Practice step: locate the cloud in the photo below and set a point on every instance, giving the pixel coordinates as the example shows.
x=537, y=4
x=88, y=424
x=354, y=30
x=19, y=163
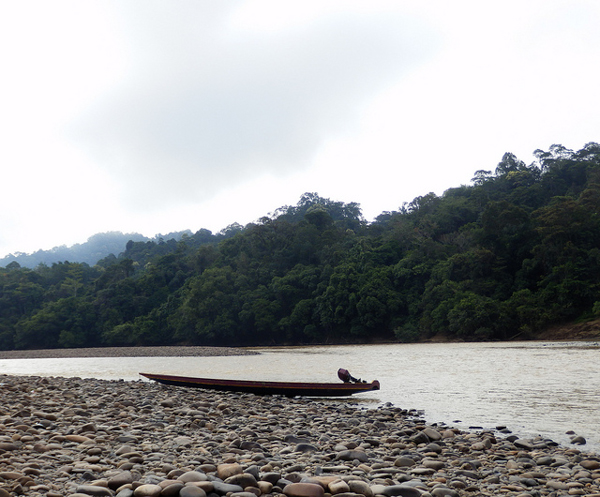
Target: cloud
x=207, y=105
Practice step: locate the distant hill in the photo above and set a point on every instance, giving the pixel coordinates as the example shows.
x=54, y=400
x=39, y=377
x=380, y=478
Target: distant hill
x=97, y=247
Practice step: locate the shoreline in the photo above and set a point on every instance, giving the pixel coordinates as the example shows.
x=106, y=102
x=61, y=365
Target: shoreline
x=558, y=336
x=103, y=438
x=162, y=351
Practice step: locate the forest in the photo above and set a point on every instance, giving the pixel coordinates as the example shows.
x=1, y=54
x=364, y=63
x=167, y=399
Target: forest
x=510, y=254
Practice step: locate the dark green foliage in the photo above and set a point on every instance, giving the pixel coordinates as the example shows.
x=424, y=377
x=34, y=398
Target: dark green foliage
x=502, y=259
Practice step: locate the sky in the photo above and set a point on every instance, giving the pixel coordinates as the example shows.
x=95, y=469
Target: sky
x=157, y=116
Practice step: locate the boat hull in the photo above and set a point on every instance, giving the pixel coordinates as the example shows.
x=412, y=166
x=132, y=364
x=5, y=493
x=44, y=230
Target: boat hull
x=289, y=389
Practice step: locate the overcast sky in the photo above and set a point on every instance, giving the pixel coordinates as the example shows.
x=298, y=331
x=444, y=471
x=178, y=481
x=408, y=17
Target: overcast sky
x=156, y=116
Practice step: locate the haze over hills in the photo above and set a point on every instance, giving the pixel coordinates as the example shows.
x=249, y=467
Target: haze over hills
x=97, y=247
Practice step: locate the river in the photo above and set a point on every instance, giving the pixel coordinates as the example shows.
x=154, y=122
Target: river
x=533, y=388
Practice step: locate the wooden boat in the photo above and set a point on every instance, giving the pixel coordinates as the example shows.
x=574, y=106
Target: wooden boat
x=289, y=389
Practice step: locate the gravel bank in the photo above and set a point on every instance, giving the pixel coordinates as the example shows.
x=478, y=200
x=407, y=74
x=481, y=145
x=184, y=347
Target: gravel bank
x=124, y=352
x=97, y=438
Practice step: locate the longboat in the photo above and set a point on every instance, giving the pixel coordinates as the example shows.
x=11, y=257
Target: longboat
x=349, y=385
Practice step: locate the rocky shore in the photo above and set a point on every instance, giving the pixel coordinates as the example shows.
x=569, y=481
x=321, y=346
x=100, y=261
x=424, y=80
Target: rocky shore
x=97, y=438
x=175, y=351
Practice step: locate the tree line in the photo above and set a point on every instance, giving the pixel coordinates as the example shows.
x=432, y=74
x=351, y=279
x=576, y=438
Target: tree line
x=504, y=257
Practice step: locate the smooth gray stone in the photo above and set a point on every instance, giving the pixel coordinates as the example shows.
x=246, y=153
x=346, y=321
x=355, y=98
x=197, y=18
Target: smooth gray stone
x=94, y=490
x=295, y=440
x=147, y=490
x=420, y=438
x=304, y=447
x=360, y=487
x=351, y=455
x=192, y=491
x=254, y=470
x=523, y=444
x=348, y=494
x=272, y=478
x=529, y=482
x=404, y=461
x=248, y=445
x=244, y=480
x=432, y=433
x=402, y=491
x=172, y=490
x=223, y=488
x=120, y=479
x=433, y=447
x=192, y=476
x=444, y=492
x=469, y=474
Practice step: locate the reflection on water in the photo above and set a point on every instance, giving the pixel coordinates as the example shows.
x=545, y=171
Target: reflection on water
x=531, y=387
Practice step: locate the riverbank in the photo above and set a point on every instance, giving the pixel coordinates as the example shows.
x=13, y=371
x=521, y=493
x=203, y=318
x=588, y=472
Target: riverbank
x=97, y=438
x=176, y=351
x=588, y=331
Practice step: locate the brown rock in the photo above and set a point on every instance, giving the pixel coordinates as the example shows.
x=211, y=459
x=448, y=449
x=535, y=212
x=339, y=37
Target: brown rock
x=120, y=479
x=192, y=476
x=227, y=470
x=338, y=487
x=433, y=464
x=404, y=461
x=360, y=487
x=94, y=490
x=165, y=483
x=175, y=473
x=265, y=487
x=192, y=491
x=432, y=433
x=251, y=491
x=172, y=489
x=350, y=455
x=304, y=490
x=10, y=475
x=207, y=486
x=484, y=444
x=77, y=438
x=147, y=490
x=324, y=481
x=243, y=480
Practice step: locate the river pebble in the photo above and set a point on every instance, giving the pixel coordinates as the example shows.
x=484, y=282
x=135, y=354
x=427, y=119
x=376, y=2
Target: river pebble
x=96, y=438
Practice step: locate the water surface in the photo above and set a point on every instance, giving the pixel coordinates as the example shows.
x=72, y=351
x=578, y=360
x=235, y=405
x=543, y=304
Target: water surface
x=534, y=388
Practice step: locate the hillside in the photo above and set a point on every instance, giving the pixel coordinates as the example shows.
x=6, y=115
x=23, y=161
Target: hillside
x=90, y=252
x=514, y=255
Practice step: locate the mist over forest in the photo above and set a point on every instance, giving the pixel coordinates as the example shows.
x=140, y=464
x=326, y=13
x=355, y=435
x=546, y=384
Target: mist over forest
x=90, y=252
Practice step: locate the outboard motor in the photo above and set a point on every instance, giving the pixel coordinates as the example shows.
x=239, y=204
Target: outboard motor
x=346, y=377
